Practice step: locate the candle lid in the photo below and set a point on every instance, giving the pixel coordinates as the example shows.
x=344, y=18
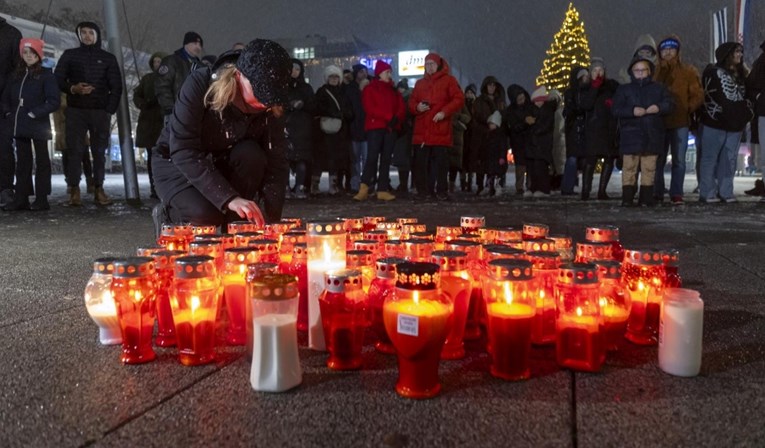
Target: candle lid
x=502, y=251
x=671, y=257
x=358, y=258
x=261, y=268
x=544, y=259
x=450, y=260
x=208, y=237
x=509, y=233
x=325, y=228
x=474, y=237
x=104, y=265
x=387, y=225
x=644, y=257
x=147, y=251
x=418, y=276
x=386, y=267
x=273, y=287
x=536, y=230
x=300, y=251
x=165, y=259
x=212, y=248
x=487, y=234
x=243, y=239
x=195, y=266
x=411, y=228
x=604, y=234
x=540, y=244
x=417, y=248
x=350, y=224
x=471, y=248
x=403, y=221
x=241, y=255
x=294, y=237
x=421, y=235
x=267, y=246
x=517, y=244
x=369, y=245
x=509, y=269
x=204, y=230
x=376, y=235
x=561, y=241
x=472, y=222
x=278, y=228
x=609, y=269
x=241, y=227
x=373, y=219
x=594, y=251
x=133, y=267
x=448, y=231
x=342, y=280
x=578, y=274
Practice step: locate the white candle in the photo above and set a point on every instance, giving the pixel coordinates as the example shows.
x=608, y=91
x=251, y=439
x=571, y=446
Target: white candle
x=275, y=360
x=104, y=314
x=680, y=332
x=316, y=270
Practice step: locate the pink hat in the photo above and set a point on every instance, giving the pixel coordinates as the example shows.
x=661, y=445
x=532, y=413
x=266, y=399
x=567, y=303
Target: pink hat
x=35, y=44
x=381, y=66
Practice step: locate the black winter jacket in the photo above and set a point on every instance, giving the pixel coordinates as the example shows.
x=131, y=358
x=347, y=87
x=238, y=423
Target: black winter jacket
x=575, y=116
x=33, y=93
x=725, y=104
x=600, y=124
x=173, y=71
x=353, y=93
x=9, y=50
x=515, y=122
x=301, y=109
x=755, y=85
x=196, y=137
x=92, y=65
x=150, y=120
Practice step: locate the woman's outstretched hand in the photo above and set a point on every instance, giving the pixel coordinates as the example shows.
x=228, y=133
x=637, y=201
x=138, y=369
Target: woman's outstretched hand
x=248, y=210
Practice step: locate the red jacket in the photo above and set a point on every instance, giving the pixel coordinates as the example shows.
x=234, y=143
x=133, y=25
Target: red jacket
x=443, y=93
x=381, y=103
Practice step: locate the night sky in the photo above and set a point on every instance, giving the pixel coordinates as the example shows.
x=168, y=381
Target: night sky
x=507, y=39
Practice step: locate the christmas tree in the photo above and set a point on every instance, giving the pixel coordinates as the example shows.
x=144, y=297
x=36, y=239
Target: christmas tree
x=568, y=49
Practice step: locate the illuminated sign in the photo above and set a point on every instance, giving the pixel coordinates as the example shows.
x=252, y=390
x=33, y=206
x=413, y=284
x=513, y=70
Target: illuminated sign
x=369, y=63
x=411, y=63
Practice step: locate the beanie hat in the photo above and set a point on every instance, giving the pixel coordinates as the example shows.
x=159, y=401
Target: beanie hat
x=267, y=66
x=381, y=66
x=357, y=68
x=332, y=70
x=471, y=88
x=35, y=44
x=597, y=62
x=540, y=94
x=582, y=73
x=192, y=36
x=435, y=58
x=669, y=42
x=403, y=84
x=724, y=50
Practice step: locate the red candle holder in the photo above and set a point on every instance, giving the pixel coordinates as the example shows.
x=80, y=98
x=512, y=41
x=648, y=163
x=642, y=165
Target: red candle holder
x=211, y=248
x=457, y=284
x=488, y=235
x=491, y=252
x=393, y=229
x=352, y=224
x=565, y=247
x=508, y=234
x=534, y=231
x=234, y=280
x=194, y=298
x=539, y=245
x=546, y=274
x=175, y=237
x=417, y=319
x=243, y=239
x=445, y=234
x=393, y=248
x=380, y=236
x=606, y=234
x=373, y=246
x=643, y=277
x=288, y=242
x=351, y=238
x=294, y=223
x=148, y=251
x=298, y=268
x=418, y=250
x=671, y=259
x=134, y=288
x=361, y=260
x=236, y=227
x=203, y=230
x=590, y=252
x=268, y=249
x=404, y=221
x=476, y=308
x=579, y=342
x=274, y=231
x=510, y=295
x=343, y=316
x=370, y=222
x=471, y=224
x=255, y=270
x=408, y=231
x=614, y=304
x=164, y=262
x=381, y=288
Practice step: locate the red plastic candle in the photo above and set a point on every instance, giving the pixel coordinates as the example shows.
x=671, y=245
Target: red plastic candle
x=298, y=268
x=643, y=277
x=344, y=318
x=457, y=285
x=590, y=252
x=286, y=246
x=211, y=248
x=445, y=234
x=418, y=250
x=164, y=262
x=235, y=290
x=565, y=247
x=242, y=239
x=471, y=224
x=361, y=260
x=274, y=231
x=393, y=229
x=417, y=318
x=539, y=245
x=533, y=231
x=204, y=230
x=393, y=248
x=370, y=222
x=376, y=247
x=476, y=309
x=671, y=260
x=546, y=274
x=175, y=237
x=579, y=342
x=508, y=234
x=606, y=234
x=614, y=304
x=194, y=298
x=134, y=288
x=235, y=227
x=408, y=231
x=268, y=249
x=404, y=221
x=382, y=287
x=488, y=235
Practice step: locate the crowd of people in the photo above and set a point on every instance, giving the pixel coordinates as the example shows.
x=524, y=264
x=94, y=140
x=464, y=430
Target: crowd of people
x=223, y=133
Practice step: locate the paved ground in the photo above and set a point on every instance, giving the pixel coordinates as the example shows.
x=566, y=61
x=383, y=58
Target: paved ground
x=59, y=387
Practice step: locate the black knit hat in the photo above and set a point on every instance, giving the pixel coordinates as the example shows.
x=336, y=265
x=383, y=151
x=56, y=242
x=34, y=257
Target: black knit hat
x=192, y=36
x=724, y=50
x=267, y=66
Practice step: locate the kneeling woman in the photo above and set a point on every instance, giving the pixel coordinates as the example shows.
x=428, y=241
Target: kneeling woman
x=224, y=147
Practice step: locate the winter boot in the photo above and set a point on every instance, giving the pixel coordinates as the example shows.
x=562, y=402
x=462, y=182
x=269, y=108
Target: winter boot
x=452, y=186
x=463, y=182
x=40, y=204
x=492, y=185
x=333, y=190
x=90, y=188
x=100, y=196
x=605, y=176
x=587, y=175
x=758, y=190
x=6, y=197
x=363, y=192
x=479, y=184
x=74, y=197
x=469, y=188
x=646, y=197
x=315, y=185
x=18, y=203
x=385, y=196
x=628, y=195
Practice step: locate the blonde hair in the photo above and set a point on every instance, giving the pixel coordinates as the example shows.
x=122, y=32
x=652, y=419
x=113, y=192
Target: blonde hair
x=223, y=89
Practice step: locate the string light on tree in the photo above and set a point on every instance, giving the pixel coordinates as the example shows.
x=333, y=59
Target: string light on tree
x=568, y=49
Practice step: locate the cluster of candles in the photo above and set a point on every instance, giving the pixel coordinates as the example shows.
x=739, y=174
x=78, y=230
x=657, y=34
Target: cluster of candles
x=420, y=294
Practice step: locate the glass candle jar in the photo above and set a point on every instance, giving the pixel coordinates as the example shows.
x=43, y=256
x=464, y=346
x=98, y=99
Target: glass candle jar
x=235, y=227
x=148, y=251
x=606, y=234
x=268, y=249
x=476, y=308
x=565, y=247
x=418, y=250
x=408, y=231
x=134, y=288
x=539, y=245
x=164, y=263
x=508, y=234
x=210, y=248
x=175, y=237
x=274, y=231
x=590, y=252
x=457, y=284
x=382, y=286
x=370, y=222
x=255, y=270
x=298, y=268
x=680, y=332
x=393, y=229
x=352, y=224
x=203, y=230
x=326, y=252
x=242, y=239
x=404, y=221
x=393, y=248
x=275, y=362
x=288, y=241
x=361, y=260
x=471, y=223
x=533, y=231
x=100, y=302
x=671, y=258
x=546, y=274
x=445, y=234
x=614, y=304
x=234, y=281
x=417, y=318
x=194, y=298
x=510, y=294
x=344, y=318
x=579, y=342
x=643, y=277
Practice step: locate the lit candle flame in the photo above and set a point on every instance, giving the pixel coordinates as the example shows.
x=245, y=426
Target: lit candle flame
x=640, y=286
x=603, y=302
x=327, y=252
x=242, y=268
x=194, y=303
x=508, y=294
x=579, y=311
x=416, y=297
x=541, y=293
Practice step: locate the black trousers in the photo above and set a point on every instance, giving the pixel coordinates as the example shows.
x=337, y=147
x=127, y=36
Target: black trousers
x=7, y=157
x=539, y=175
x=24, y=165
x=244, y=168
x=81, y=123
x=432, y=166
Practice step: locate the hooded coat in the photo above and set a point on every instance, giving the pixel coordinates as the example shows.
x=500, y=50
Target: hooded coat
x=725, y=104
x=383, y=106
x=30, y=91
x=150, y=120
x=442, y=92
x=600, y=124
x=95, y=66
x=684, y=84
x=641, y=135
x=486, y=145
x=515, y=122
x=300, y=111
x=576, y=115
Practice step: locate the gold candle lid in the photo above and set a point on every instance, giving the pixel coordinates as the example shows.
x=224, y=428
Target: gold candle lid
x=133, y=267
x=273, y=287
x=342, y=280
x=325, y=228
x=449, y=260
x=195, y=266
x=417, y=276
x=603, y=234
x=506, y=269
x=578, y=274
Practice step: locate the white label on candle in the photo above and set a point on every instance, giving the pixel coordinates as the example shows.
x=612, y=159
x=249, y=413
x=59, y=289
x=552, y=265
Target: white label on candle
x=408, y=325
